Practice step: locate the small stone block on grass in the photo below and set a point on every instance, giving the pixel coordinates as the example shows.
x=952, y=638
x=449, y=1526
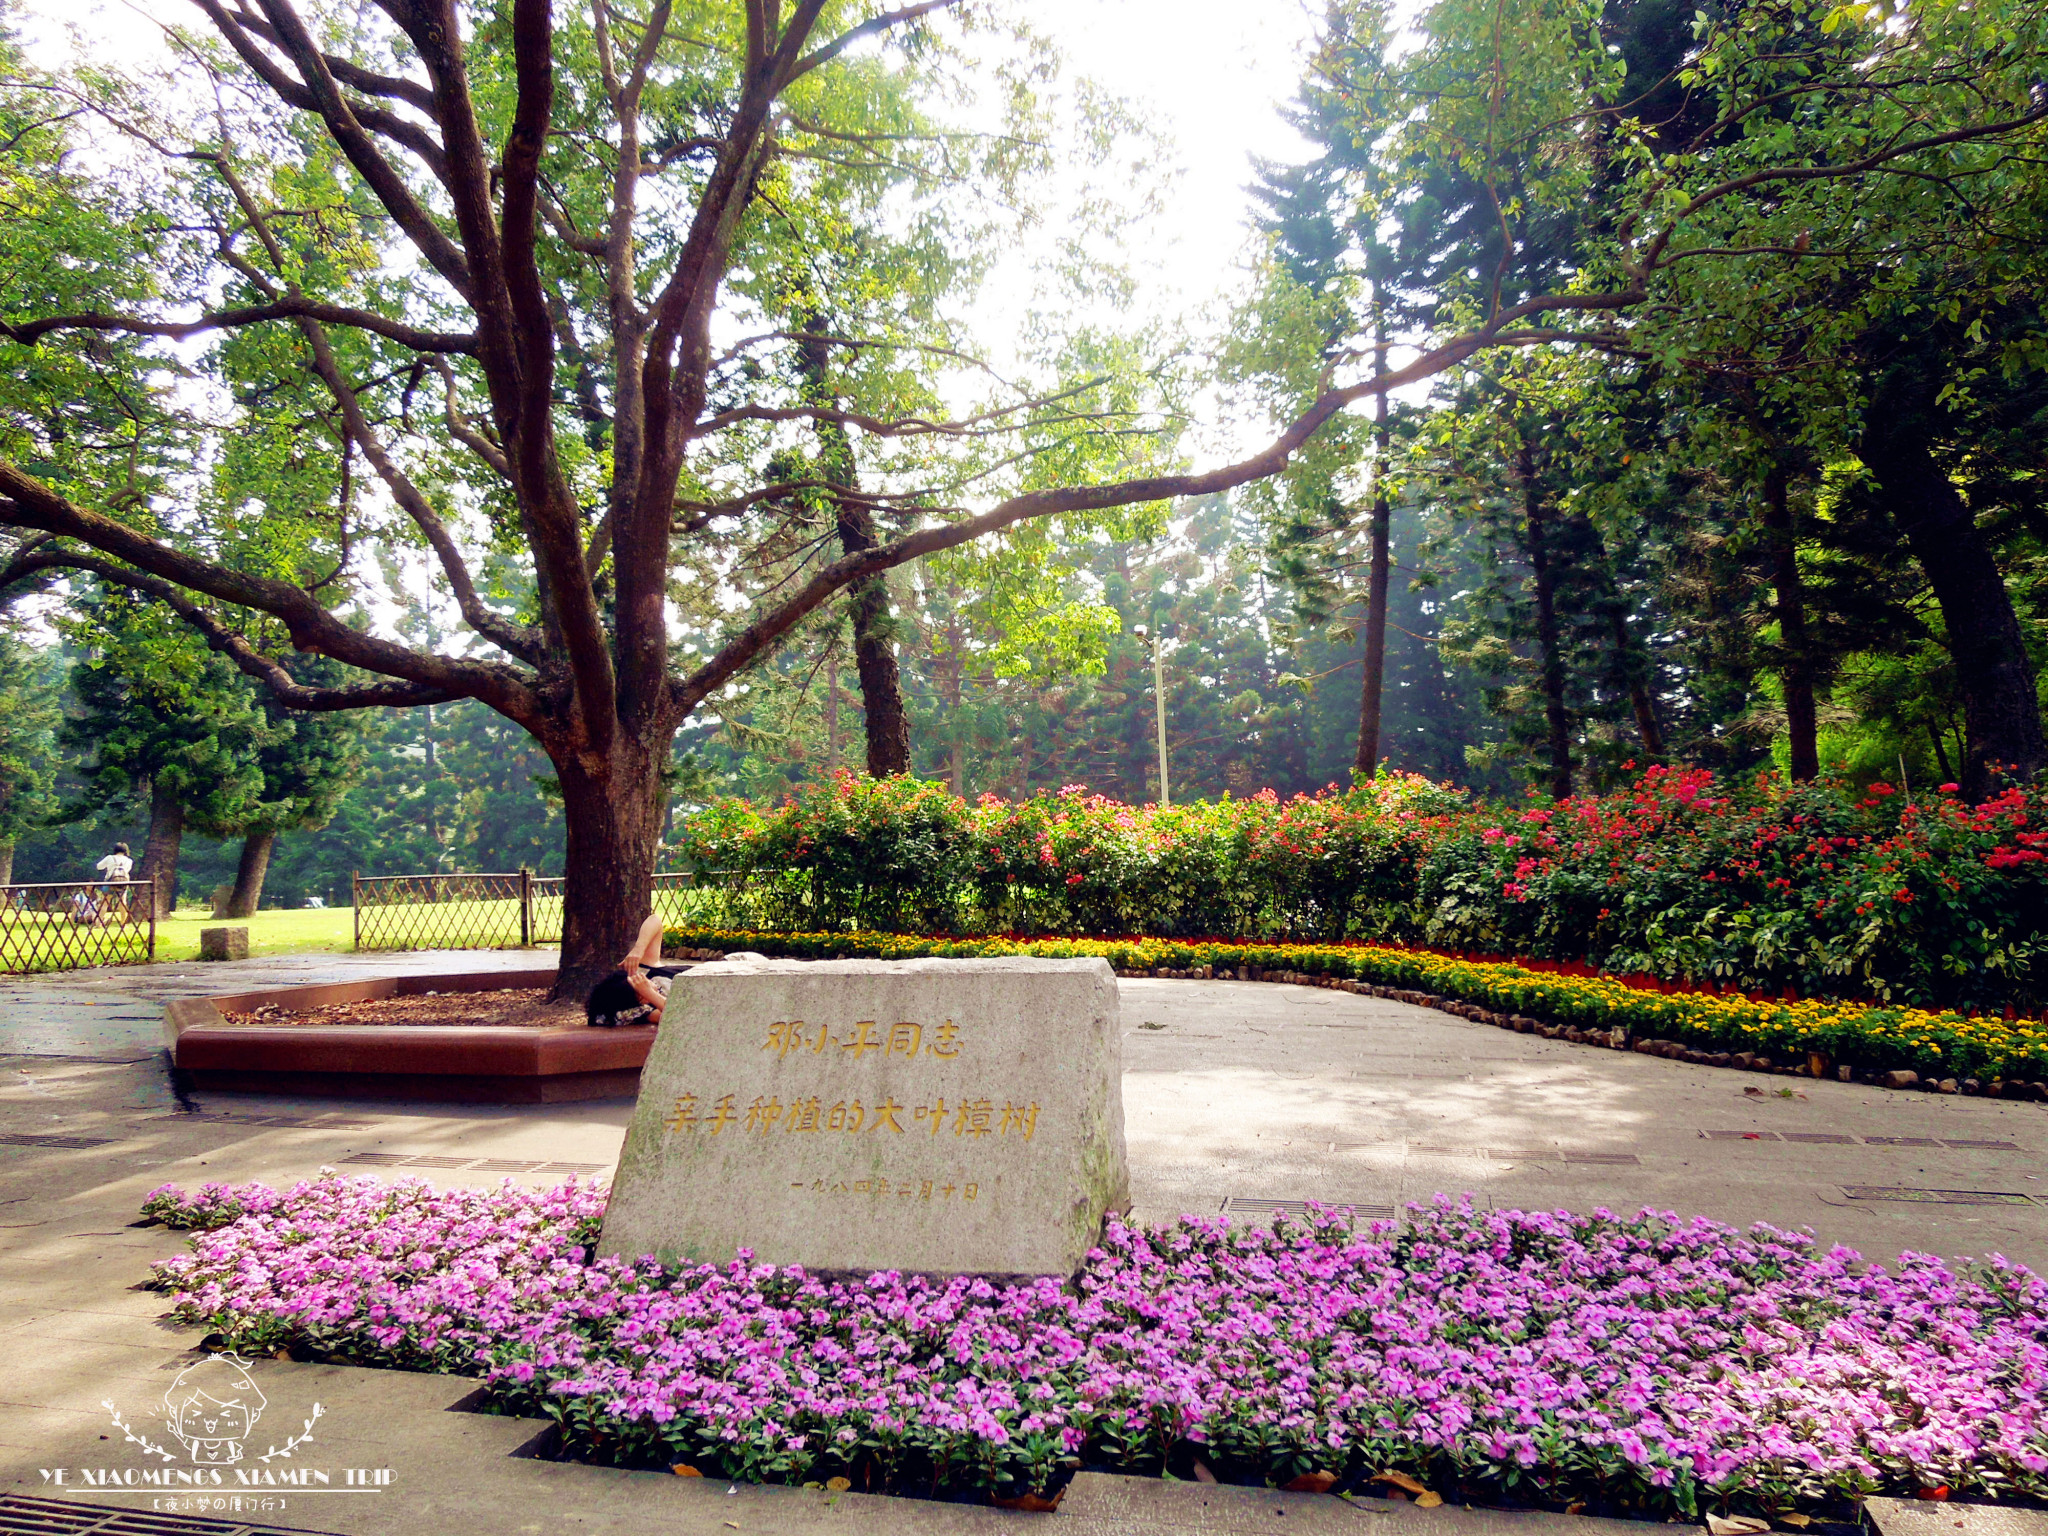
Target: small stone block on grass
x=929, y=1116
x=224, y=943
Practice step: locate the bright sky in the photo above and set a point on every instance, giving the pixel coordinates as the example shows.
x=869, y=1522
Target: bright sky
x=1215, y=74
x=1211, y=72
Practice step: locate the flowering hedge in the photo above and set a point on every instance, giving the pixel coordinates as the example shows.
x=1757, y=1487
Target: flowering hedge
x=1640, y=1364
x=1825, y=889
x=1878, y=1039
x=903, y=853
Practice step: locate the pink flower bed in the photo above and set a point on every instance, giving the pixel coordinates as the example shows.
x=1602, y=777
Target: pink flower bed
x=1629, y=1364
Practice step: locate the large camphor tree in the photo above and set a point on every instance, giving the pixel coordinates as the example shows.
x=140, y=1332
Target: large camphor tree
x=558, y=297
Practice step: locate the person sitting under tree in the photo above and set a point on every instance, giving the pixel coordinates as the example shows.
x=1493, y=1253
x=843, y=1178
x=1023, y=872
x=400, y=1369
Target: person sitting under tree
x=638, y=989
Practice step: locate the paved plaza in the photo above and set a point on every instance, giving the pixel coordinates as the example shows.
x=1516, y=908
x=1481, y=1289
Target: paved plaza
x=1239, y=1097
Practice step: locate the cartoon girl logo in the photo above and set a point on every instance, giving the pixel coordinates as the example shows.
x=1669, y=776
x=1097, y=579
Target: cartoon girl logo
x=212, y=1407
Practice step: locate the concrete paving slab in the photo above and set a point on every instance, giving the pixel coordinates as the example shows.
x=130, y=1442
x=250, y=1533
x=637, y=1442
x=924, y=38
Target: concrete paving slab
x=1923, y=1517
x=27, y=1426
x=1098, y=1502
x=1276, y=1093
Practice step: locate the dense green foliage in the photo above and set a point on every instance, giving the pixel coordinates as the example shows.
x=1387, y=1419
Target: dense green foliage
x=449, y=789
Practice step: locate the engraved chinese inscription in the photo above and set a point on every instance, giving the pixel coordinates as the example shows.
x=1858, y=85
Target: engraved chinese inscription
x=969, y=1111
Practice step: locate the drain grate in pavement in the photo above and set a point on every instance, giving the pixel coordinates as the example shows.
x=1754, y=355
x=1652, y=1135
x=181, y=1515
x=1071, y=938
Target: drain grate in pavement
x=1529, y=1155
x=1936, y=1196
x=304, y=1122
x=21, y=1515
x=469, y=1164
x=30, y=1139
x=1251, y=1205
x=1831, y=1138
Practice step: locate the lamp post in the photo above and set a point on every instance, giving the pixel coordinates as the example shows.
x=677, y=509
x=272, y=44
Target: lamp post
x=1158, y=707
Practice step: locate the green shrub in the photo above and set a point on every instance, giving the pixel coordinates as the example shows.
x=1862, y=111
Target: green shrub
x=1823, y=889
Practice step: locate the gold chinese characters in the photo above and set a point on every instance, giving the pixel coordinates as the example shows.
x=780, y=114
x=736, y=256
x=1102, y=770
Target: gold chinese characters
x=971, y=1118
x=786, y=1037
x=908, y=1189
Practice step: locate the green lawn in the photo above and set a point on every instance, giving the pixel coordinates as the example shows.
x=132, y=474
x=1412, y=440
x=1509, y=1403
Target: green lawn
x=42, y=941
x=270, y=933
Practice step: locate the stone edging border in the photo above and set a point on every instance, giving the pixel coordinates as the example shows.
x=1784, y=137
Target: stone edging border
x=461, y=1064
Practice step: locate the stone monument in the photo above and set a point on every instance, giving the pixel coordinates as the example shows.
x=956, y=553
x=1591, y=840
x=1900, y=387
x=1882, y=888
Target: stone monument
x=930, y=1116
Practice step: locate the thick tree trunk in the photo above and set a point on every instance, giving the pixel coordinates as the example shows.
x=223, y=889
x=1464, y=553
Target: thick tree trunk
x=1940, y=755
x=2001, y=712
x=1631, y=664
x=1802, y=724
x=1372, y=695
x=249, y=872
x=160, y=849
x=7, y=862
x=874, y=653
x=611, y=808
x=1372, y=698
x=1641, y=701
x=832, y=706
x=1549, y=648
x=874, y=656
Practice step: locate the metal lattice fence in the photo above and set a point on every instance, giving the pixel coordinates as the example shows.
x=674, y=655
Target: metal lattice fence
x=65, y=926
x=494, y=911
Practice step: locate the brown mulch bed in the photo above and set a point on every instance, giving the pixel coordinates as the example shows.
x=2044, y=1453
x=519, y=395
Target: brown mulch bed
x=508, y=1008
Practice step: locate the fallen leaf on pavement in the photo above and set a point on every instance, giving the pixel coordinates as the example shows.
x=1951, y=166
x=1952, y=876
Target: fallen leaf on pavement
x=1032, y=1503
x=1736, y=1525
x=1400, y=1480
x=1203, y=1474
x=1428, y=1500
x=1796, y=1521
x=1311, y=1482
x=839, y=1484
x=684, y=1469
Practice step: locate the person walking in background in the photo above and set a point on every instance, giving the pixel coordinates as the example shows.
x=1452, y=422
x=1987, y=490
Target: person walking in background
x=114, y=871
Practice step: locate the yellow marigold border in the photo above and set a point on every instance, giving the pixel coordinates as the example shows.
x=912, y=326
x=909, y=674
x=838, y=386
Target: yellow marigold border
x=1848, y=1034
